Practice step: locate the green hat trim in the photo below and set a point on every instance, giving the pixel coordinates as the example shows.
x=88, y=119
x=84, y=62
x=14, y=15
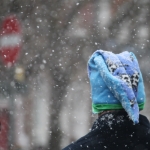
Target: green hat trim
x=97, y=108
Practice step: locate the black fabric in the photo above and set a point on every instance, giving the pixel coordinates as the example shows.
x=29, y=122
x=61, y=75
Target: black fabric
x=115, y=131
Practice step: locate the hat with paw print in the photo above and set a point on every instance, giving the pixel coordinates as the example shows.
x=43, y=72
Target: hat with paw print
x=116, y=83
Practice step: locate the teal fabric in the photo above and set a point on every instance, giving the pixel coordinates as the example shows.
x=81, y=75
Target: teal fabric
x=108, y=86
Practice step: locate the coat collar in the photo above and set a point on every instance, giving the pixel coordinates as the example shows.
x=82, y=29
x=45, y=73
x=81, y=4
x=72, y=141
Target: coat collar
x=113, y=120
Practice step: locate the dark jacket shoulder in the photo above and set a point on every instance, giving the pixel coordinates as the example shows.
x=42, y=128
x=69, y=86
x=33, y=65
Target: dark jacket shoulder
x=115, y=131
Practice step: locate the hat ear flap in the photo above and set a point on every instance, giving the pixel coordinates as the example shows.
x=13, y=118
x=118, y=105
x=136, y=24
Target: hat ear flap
x=141, y=96
x=99, y=89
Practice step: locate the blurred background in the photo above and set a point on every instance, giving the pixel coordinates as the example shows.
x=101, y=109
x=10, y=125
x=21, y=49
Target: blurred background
x=45, y=99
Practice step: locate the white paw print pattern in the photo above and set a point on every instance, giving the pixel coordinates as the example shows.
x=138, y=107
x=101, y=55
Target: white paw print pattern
x=135, y=79
x=132, y=102
x=111, y=66
x=126, y=78
x=132, y=81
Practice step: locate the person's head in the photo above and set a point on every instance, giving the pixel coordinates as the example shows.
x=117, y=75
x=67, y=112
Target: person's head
x=116, y=83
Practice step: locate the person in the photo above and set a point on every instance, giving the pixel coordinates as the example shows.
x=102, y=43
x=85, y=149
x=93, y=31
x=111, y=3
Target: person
x=118, y=95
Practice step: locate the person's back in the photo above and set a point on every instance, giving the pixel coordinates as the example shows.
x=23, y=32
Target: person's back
x=114, y=131
x=117, y=96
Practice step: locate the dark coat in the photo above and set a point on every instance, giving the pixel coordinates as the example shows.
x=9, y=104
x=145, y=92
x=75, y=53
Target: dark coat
x=115, y=131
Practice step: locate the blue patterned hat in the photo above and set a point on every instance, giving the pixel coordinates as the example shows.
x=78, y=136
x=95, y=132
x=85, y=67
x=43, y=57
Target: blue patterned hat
x=116, y=83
